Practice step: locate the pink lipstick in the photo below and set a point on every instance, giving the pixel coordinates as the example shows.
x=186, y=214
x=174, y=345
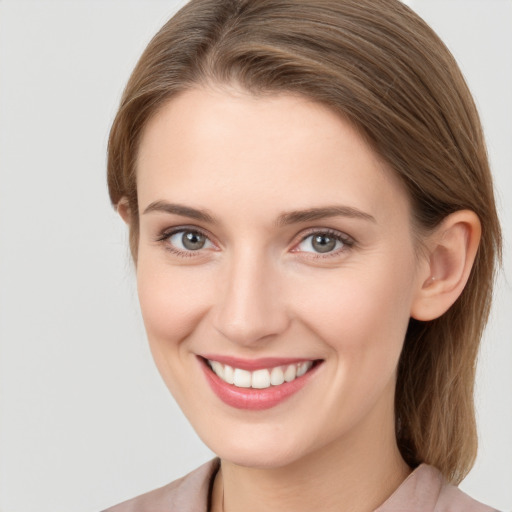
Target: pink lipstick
x=256, y=384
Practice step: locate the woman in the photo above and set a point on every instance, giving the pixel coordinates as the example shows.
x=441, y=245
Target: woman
x=312, y=219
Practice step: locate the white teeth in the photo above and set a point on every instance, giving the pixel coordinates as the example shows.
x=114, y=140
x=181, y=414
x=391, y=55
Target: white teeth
x=242, y=378
x=290, y=373
x=276, y=376
x=260, y=379
x=303, y=368
x=228, y=374
x=218, y=368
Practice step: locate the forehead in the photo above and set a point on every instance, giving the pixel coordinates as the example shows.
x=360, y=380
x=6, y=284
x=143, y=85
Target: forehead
x=275, y=151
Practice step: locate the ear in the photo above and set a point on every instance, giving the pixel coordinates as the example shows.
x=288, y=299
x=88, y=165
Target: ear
x=123, y=209
x=451, y=251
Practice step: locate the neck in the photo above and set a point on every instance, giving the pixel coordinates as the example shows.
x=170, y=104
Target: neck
x=355, y=474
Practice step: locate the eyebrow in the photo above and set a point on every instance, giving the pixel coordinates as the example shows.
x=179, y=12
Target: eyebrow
x=311, y=214
x=179, y=209
x=285, y=219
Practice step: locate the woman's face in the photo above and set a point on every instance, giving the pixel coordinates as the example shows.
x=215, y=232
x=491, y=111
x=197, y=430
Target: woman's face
x=273, y=242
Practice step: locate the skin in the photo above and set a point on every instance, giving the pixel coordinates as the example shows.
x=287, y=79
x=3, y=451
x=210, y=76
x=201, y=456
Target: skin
x=258, y=289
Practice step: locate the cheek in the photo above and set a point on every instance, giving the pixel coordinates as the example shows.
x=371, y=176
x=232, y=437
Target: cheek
x=361, y=311
x=172, y=305
x=363, y=320
x=172, y=300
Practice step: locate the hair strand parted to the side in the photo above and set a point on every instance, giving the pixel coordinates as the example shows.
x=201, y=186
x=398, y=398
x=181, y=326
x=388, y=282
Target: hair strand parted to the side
x=381, y=67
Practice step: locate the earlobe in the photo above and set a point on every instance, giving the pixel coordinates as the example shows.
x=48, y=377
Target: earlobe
x=123, y=209
x=452, y=249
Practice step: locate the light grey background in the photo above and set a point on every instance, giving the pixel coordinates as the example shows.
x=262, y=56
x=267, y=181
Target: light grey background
x=85, y=421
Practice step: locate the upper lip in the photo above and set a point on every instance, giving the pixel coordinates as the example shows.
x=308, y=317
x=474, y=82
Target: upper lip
x=255, y=364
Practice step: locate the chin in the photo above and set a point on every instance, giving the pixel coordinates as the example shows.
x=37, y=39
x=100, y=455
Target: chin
x=258, y=459
x=259, y=450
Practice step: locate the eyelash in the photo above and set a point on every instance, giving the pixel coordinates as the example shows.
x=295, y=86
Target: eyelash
x=347, y=241
x=164, y=237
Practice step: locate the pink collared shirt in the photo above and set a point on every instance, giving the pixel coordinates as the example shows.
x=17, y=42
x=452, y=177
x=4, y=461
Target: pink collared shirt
x=424, y=490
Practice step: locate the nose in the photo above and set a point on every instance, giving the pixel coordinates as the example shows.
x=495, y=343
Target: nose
x=250, y=307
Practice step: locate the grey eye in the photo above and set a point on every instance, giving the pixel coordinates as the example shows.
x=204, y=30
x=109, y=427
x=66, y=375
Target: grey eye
x=323, y=243
x=320, y=243
x=187, y=240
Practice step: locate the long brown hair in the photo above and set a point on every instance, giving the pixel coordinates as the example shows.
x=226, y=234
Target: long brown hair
x=381, y=67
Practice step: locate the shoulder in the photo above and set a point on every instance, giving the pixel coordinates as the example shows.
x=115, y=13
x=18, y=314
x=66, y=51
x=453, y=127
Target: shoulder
x=452, y=499
x=187, y=494
x=426, y=490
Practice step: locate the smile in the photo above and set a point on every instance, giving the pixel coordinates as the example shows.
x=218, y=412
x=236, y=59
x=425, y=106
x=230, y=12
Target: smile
x=257, y=384
x=262, y=378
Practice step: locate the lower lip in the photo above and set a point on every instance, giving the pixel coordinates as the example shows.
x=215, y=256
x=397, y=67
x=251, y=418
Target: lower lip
x=254, y=399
